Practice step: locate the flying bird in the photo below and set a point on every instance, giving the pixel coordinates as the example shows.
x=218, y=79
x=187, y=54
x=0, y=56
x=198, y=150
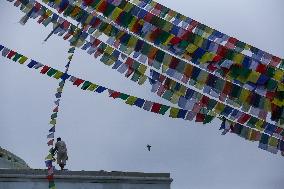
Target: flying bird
x=149, y=147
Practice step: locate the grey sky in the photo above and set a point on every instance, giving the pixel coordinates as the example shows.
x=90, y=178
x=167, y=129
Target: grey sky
x=105, y=134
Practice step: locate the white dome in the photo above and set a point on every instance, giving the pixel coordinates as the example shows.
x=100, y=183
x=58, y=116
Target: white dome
x=9, y=160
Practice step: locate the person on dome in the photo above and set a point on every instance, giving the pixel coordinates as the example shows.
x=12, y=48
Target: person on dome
x=60, y=148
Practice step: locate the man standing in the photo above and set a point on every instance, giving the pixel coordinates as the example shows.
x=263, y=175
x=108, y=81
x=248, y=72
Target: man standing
x=61, y=149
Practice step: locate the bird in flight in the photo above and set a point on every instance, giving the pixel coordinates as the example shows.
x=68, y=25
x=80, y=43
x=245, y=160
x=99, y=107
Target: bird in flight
x=149, y=147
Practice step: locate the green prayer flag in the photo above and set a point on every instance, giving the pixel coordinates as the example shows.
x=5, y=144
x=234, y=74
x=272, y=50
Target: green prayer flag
x=109, y=10
x=51, y=72
x=271, y=84
x=167, y=95
x=157, y=64
x=160, y=56
x=270, y=72
x=163, y=109
x=86, y=84
x=17, y=57
x=208, y=119
x=135, y=77
x=123, y=96
x=211, y=104
x=252, y=121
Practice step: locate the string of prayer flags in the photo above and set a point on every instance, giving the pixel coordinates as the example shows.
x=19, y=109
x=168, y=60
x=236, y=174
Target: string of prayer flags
x=146, y=107
x=200, y=115
x=187, y=116
x=180, y=24
x=260, y=92
x=123, y=69
x=56, y=74
x=266, y=142
x=198, y=52
x=176, y=98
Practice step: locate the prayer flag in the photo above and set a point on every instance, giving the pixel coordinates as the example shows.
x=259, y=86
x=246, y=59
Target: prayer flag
x=51, y=135
x=52, y=129
x=50, y=142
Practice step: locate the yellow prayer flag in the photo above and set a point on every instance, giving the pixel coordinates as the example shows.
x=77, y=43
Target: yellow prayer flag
x=49, y=157
x=202, y=78
x=238, y=58
x=58, y=74
x=168, y=40
x=273, y=142
x=258, y=125
x=219, y=108
x=133, y=21
x=153, y=3
x=70, y=57
x=280, y=87
x=48, y=12
x=89, y=19
x=136, y=2
x=278, y=102
x=92, y=87
x=174, y=112
x=131, y=100
x=199, y=85
x=132, y=42
x=253, y=76
x=278, y=75
x=75, y=12
x=142, y=79
x=244, y=95
x=175, y=98
x=167, y=27
x=182, y=90
x=267, y=105
x=247, y=47
x=109, y=50
x=108, y=29
x=109, y=62
x=52, y=121
x=117, y=11
x=164, y=68
x=208, y=56
x=128, y=7
x=142, y=68
x=57, y=2
x=23, y=59
x=198, y=41
x=60, y=89
x=191, y=48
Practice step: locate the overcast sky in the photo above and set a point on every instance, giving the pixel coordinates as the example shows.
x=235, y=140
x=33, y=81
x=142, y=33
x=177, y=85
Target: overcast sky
x=106, y=134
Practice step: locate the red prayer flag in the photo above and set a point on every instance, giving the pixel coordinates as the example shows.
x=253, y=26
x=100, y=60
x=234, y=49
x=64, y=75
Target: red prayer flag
x=244, y=118
x=55, y=109
x=50, y=143
x=78, y=82
x=50, y=177
x=175, y=40
x=156, y=107
x=102, y=6
x=261, y=68
x=199, y=117
x=148, y=17
x=11, y=54
x=115, y=94
x=44, y=69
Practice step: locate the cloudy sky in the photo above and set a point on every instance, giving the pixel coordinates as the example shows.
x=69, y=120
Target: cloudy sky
x=105, y=134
